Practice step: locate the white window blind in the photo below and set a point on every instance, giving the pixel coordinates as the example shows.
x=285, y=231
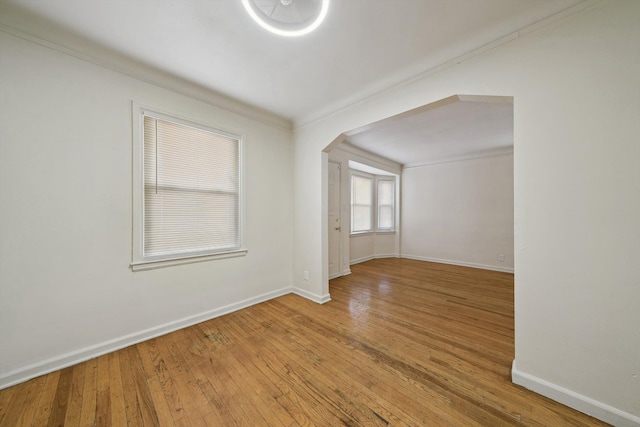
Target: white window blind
x=361, y=203
x=191, y=190
x=386, y=205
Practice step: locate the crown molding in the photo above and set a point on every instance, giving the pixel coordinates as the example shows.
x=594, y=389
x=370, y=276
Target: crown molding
x=365, y=97
x=98, y=55
x=373, y=159
x=471, y=156
x=16, y=24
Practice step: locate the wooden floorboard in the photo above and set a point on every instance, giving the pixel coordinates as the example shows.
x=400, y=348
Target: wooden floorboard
x=402, y=343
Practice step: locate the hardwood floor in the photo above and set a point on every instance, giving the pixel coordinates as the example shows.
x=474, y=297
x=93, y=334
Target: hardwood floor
x=402, y=343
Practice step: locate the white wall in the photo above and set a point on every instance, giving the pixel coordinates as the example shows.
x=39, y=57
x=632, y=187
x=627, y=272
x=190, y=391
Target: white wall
x=577, y=196
x=460, y=212
x=364, y=247
x=66, y=288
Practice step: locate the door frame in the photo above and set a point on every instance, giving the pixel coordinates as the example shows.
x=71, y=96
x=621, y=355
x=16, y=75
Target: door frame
x=340, y=219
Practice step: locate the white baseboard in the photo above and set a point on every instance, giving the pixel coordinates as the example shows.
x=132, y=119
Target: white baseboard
x=344, y=273
x=574, y=400
x=376, y=256
x=370, y=257
x=460, y=263
x=320, y=299
x=359, y=260
x=46, y=366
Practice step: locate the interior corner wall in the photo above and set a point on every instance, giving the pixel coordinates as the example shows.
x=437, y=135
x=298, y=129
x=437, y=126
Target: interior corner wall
x=67, y=292
x=576, y=196
x=460, y=212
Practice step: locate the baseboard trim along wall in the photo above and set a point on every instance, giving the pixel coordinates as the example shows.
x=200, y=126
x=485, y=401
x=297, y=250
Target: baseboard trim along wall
x=344, y=273
x=72, y=358
x=320, y=299
x=370, y=257
x=359, y=260
x=460, y=263
x=574, y=400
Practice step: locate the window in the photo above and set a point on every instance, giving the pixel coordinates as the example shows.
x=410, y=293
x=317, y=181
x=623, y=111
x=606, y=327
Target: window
x=187, y=192
x=364, y=198
x=386, y=204
x=361, y=202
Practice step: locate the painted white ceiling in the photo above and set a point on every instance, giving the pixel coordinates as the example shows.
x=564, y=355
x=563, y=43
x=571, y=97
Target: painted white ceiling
x=364, y=46
x=456, y=128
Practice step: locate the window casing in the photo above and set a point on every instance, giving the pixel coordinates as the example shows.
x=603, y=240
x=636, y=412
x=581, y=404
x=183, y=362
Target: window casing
x=187, y=191
x=361, y=203
x=386, y=206
x=372, y=203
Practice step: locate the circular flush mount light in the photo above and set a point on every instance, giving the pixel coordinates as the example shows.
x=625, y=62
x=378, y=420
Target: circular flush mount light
x=288, y=18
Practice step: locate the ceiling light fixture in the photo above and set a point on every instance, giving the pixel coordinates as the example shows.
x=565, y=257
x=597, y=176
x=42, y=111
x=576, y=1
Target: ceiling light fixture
x=289, y=18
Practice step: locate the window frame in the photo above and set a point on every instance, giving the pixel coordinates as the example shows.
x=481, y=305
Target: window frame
x=375, y=179
x=139, y=260
x=371, y=198
x=392, y=180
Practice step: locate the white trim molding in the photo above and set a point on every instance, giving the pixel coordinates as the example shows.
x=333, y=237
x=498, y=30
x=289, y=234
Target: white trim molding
x=363, y=259
x=320, y=299
x=502, y=151
x=86, y=51
x=55, y=363
x=370, y=257
x=377, y=92
x=343, y=273
x=150, y=265
x=460, y=263
x=574, y=400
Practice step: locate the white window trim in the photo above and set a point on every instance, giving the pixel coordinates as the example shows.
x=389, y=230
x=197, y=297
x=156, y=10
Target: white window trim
x=373, y=191
x=139, y=261
x=374, y=203
x=379, y=178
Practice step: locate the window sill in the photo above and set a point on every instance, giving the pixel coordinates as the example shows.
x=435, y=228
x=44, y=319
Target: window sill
x=161, y=263
x=370, y=233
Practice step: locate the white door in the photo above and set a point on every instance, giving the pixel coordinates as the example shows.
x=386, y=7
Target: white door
x=334, y=220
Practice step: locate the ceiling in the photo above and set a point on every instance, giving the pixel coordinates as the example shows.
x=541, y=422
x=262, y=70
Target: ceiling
x=362, y=48
x=455, y=128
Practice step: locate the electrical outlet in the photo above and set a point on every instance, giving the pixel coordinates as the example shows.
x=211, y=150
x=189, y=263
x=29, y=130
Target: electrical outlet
x=501, y=258
x=306, y=275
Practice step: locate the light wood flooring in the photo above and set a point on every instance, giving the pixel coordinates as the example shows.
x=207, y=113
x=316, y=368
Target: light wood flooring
x=402, y=343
